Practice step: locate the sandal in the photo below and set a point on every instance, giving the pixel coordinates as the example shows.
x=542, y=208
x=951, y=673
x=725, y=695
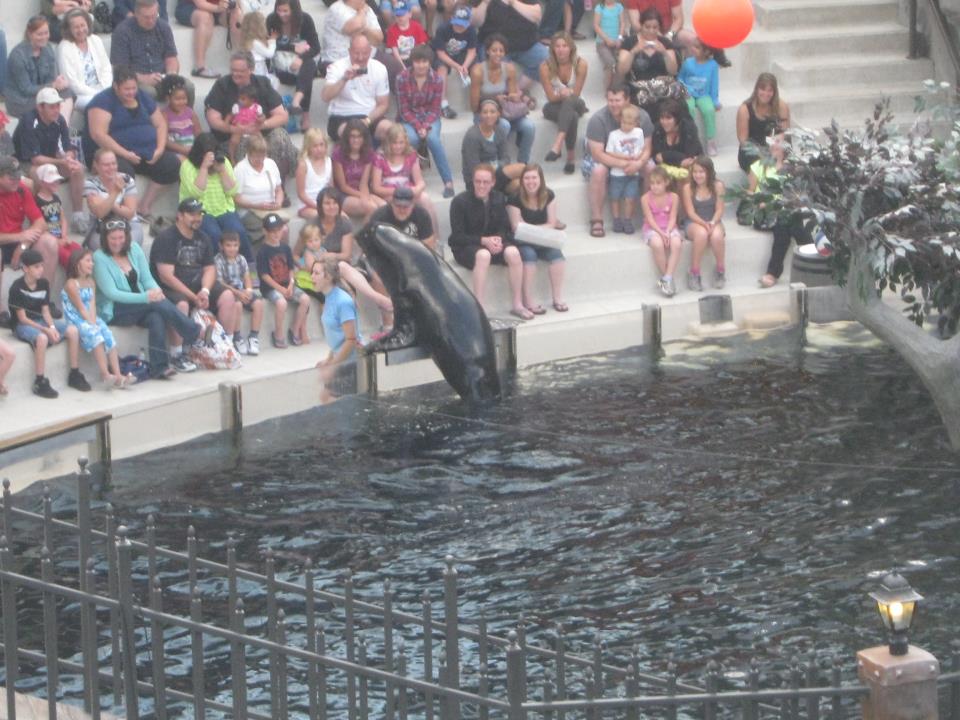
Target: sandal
x=596, y=229
x=560, y=306
x=202, y=72
x=537, y=309
x=522, y=313
x=569, y=169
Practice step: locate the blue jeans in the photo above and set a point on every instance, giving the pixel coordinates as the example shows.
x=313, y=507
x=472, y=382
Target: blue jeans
x=3, y=61
x=531, y=59
x=214, y=227
x=436, y=149
x=156, y=317
x=532, y=253
x=526, y=131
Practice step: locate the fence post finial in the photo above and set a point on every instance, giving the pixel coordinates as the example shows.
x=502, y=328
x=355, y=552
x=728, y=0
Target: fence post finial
x=516, y=677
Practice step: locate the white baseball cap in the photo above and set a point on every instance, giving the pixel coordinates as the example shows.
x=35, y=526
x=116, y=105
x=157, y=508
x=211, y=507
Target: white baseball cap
x=48, y=96
x=48, y=173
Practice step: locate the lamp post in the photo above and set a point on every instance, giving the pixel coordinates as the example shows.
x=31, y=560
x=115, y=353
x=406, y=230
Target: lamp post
x=896, y=603
x=902, y=678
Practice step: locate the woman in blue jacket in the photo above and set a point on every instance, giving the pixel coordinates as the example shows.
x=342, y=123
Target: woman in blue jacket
x=127, y=294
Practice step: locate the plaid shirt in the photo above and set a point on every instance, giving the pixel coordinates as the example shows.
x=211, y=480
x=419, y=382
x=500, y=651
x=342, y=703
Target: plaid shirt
x=231, y=273
x=419, y=107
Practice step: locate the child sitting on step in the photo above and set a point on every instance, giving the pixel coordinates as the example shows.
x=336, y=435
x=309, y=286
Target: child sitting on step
x=29, y=303
x=660, y=228
x=80, y=310
x=234, y=273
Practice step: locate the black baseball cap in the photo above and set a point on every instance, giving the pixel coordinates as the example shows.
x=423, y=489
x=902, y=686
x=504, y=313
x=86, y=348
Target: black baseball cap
x=403, y=196
x=272, y=221
x=190, y=205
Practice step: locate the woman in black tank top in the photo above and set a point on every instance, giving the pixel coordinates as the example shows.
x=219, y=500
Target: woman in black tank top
x=762, y=115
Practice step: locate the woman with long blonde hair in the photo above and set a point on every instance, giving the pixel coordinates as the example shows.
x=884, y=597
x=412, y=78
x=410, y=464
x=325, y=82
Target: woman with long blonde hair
x=760, y=116
x=563, y=75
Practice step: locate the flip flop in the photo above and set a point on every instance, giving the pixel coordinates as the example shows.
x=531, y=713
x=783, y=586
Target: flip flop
x=560, y=306
x=523, y=315
x=537, y=310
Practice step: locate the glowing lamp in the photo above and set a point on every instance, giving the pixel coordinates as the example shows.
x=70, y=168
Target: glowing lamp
x=722, y=23
x=896, y=603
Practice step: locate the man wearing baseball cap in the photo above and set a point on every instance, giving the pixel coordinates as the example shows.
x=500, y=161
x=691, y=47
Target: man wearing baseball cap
x=181, y=260
x=43, y=138
x=17, y=206
x=405, y=215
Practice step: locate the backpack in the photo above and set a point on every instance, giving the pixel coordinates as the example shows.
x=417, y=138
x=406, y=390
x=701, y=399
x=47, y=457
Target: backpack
x=218, y=352
x=133, y=365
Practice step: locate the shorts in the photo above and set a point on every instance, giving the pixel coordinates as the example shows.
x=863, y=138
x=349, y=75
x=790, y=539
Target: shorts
x=647, y=234
x=29, y=334
x=334, y=122
x=467, y=256
x=184, y=14
x=623, y=187
x=215, y=292
x=274, y=295
x=532, y=253
x=65, y=251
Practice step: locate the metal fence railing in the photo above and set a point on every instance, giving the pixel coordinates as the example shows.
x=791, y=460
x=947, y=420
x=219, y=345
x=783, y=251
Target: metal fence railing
x=96, y=617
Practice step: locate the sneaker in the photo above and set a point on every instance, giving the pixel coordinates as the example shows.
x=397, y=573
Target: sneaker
x=448, y=191
x=241, y=346
x=77, y=381
x=253, y=345
x=712, y=148
x=80, y=223
x=448, y=112
x=694, y=282
x=182, y=364
x=41, y=387
x=667, y=287
x=719, y=279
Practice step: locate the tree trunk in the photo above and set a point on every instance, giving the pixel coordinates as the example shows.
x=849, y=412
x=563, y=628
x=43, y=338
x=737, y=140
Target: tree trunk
x=936, y=362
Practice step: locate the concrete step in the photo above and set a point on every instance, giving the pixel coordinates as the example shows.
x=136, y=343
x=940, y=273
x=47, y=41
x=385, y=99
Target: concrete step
x=811, y=105
x=879, y=70
x=785, y=14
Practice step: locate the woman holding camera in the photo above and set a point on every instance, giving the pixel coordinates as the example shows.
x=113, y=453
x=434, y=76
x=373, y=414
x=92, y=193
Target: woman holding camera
x=207, y=175
x=649, y=62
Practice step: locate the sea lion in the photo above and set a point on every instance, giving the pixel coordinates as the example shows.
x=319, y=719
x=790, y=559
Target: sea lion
x=432, y=307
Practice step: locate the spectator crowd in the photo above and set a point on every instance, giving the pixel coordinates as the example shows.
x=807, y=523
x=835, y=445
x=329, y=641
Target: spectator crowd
x=90, y=120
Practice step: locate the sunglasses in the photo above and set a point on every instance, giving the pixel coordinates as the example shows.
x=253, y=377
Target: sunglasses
x=116, y=225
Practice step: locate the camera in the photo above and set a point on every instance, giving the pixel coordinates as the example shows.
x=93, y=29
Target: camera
x=219, y=157
x=231, y=4
x=360, y=71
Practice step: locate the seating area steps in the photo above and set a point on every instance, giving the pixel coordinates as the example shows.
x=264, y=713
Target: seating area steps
x=834, y=58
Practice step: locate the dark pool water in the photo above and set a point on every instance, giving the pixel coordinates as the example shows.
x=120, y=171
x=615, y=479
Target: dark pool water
x=737, y=498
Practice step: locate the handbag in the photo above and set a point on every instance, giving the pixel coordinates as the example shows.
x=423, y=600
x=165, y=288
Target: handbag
x=652, y=91
x=217, y=354
x=133, y=365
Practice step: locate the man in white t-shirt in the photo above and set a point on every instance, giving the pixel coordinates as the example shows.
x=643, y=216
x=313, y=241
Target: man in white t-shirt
x=357, y=87
x=345, y=20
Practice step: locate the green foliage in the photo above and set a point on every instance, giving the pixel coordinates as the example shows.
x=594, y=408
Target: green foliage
x=889, y=199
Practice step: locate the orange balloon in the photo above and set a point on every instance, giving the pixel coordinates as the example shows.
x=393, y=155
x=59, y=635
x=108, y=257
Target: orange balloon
x=722, y=23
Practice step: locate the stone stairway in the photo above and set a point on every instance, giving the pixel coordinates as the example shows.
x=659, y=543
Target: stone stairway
x=833, y=59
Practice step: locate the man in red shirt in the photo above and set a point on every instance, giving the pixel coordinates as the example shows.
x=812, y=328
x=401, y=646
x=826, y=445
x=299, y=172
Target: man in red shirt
x=671, y=20
x=16, y=205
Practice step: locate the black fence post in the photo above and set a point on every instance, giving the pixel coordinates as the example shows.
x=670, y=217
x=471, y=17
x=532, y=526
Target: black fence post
x=516, y=678
x=452, y=631
x=125, y=596
x=8, y=601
